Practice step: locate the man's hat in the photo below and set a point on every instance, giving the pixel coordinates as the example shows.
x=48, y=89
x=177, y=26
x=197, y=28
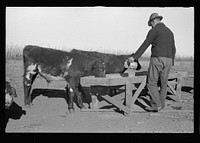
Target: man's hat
x=154, y=16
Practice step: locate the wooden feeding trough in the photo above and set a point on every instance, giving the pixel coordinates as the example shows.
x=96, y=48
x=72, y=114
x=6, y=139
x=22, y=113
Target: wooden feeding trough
x=129, y=80
x=117, y=80
x=175, y=81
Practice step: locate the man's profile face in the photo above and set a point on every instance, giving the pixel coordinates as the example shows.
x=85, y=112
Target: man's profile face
x=152, y=23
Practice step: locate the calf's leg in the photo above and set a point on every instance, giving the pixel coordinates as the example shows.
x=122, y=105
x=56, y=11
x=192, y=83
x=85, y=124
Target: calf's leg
x=27, y=82
x=79, y=97
x=71, y=90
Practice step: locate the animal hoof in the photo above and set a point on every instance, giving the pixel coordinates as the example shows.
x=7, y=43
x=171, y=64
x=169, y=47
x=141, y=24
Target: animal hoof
x=28, y=105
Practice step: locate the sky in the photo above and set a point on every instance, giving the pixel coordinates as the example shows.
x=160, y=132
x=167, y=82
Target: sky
x=103, y=29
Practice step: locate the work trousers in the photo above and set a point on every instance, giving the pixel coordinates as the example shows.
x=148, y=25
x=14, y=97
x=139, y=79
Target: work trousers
x=159, y=68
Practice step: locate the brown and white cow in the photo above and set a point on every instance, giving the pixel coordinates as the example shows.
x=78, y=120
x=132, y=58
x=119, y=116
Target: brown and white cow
x=54, y=64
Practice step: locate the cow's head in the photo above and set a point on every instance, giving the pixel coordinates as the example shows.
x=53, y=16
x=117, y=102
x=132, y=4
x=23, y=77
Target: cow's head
x=132, y=64
x=99, y=68
x=10, y=93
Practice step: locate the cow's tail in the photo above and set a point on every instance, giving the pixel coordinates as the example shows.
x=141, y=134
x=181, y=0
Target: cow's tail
x=25, y=53
x=24, y=61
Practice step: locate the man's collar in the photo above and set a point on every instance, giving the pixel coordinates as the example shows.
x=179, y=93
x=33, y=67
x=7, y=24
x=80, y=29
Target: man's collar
x=160, y=23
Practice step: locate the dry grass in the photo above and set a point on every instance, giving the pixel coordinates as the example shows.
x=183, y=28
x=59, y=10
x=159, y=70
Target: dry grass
x=14, y=52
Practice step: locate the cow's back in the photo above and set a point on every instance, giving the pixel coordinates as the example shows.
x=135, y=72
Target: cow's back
x=114, y=63
x=47, y=56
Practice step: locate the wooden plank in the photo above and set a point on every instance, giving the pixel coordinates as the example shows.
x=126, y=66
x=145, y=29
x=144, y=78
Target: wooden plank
x=171, y=75
x=85, y=81
x=130, y=72
x=179, y=85
x=145, y=73
x=128, y=94
x=171, y=88
x=117, y=75
x=106, y=104
x=117, y=104
x=97, y=81
x=138, y=79
x=176, y=74
x=138, y=91
x=118, y=97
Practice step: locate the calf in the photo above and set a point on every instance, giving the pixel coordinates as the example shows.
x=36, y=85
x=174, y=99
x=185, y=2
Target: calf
x=113, y=64
x=10, y=93
x=54, y=64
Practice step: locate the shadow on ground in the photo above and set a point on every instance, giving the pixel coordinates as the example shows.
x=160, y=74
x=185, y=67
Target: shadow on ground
x=100, y=90
x=50, y=93
x=14, y=112
x=56, y=93
x=187, y=89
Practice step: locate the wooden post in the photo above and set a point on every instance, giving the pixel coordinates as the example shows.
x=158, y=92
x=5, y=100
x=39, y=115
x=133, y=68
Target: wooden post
x=128, y=95
x=114, y=102
x=171, y=87
x=95, y=102
x=138, y=91
x=179, y=85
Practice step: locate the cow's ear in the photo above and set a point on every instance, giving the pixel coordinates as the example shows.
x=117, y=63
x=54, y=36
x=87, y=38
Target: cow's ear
x=127, y=63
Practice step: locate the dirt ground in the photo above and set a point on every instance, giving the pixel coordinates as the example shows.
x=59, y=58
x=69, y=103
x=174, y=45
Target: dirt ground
x=49, y=112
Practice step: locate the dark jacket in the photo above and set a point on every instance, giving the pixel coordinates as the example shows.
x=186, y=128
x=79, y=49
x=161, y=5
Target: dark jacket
x=162, y=40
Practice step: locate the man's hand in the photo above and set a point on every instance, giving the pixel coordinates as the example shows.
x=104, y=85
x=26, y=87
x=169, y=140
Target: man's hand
x=131, y=59
x=130, y=63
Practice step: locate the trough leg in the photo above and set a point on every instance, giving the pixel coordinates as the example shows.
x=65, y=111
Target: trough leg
x=128, y=98
x=94, y=103
x=139, y=90
x=179, y=85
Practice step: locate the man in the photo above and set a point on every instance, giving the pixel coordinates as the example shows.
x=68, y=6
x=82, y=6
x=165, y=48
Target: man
x=162, y=59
